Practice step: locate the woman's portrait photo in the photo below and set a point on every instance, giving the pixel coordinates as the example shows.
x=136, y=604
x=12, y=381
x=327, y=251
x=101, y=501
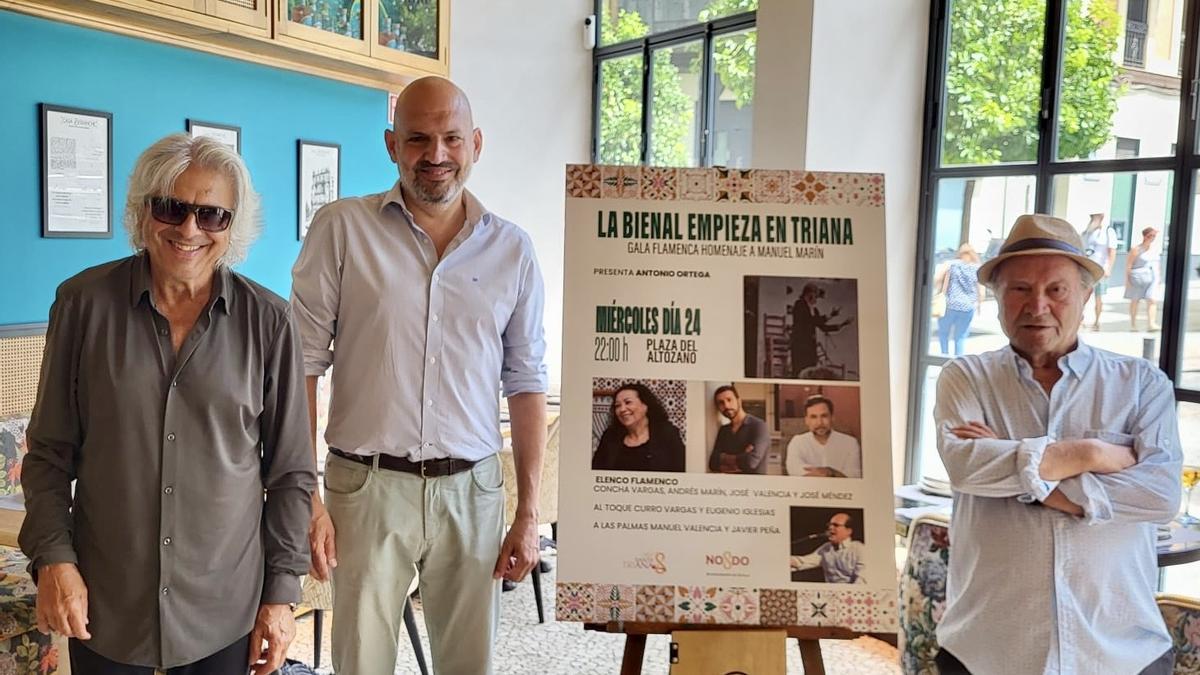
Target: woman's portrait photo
x=632, y=429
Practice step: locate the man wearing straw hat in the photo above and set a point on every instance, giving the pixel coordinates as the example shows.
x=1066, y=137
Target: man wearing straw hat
x=1061, y=457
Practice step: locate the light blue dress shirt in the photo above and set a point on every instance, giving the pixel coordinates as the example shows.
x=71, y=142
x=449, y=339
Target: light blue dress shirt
x=421, y=346
x=841, y=563
x=1031, y=589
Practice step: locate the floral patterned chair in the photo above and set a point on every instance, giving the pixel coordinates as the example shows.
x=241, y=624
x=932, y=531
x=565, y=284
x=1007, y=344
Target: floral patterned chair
x=923, y=593
x=1182, y=615
x=23, y=650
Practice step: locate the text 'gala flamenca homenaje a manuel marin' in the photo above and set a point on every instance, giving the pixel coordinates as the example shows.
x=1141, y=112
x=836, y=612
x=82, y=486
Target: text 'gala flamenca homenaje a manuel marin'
x=725, y=345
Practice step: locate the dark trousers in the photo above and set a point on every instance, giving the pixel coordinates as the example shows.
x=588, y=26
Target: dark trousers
x=949, y=665
x=229, y=661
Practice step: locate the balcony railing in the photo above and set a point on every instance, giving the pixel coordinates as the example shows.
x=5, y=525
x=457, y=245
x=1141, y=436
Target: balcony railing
x=1135, y=44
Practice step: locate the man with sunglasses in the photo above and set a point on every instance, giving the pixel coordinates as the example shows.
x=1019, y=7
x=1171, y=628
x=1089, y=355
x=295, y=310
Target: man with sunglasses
x=432, y=304
x=171, y=393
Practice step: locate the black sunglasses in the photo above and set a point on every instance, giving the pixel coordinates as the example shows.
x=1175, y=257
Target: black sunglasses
x=174, y=212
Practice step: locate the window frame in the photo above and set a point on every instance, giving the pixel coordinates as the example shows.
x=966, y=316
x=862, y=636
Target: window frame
x=704, y=32
x=1184, y=164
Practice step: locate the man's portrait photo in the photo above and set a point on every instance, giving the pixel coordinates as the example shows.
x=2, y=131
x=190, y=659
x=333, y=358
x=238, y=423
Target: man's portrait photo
x=827, y=545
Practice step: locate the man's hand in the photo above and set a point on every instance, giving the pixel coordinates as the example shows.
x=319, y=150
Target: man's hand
x=1058, y=501
x=973, y=430
x=519, y=552
x=822, y=472
x=276, y=626
x=62, y=601
x=321, y=541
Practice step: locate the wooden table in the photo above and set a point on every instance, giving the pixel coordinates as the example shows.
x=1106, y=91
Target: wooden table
x=10, y=526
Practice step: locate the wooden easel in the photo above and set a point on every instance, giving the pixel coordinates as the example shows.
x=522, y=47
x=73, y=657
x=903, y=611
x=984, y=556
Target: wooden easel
x=810, y=650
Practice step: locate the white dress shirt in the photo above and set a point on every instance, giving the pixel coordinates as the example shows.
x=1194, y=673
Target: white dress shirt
x=1031, y=589
x=840, y=452
x=422, y=344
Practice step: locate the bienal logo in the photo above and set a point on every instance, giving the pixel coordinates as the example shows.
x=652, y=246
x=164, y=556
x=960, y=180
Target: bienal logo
x=726, y=560
x=655, y=562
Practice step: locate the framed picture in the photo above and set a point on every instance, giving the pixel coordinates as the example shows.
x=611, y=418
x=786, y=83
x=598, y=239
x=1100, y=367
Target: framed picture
x=76, y=172
x=227, y=134
x=319, y=179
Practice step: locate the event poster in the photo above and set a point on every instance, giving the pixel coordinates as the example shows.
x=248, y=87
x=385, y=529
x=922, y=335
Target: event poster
x=726, y=446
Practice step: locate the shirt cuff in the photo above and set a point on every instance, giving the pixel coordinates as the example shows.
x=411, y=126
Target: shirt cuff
x=51, y=556
x=1096, y=507
x=1029, y=460
x=281, y=589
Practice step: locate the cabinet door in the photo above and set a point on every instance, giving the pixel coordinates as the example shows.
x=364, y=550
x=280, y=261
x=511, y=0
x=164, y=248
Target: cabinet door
x=194, y=5
x=336, y=24
x=412, y=33
x=255, y=13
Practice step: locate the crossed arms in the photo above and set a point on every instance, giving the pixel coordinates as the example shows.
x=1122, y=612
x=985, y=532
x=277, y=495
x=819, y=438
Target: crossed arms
x=1122, y=477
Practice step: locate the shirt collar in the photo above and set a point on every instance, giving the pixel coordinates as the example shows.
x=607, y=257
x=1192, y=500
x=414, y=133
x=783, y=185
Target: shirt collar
x=1074, y=362
x=477, y=214
x=139, y=286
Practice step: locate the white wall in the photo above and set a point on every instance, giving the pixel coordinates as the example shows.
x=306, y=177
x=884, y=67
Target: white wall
x=523, y=64
x=866, y=102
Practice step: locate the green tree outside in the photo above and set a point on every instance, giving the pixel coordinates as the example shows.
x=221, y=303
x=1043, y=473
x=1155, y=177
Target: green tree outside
x=993, y=80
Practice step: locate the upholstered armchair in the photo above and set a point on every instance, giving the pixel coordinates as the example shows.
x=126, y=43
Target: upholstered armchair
x=1182, y=615
x=923, y=593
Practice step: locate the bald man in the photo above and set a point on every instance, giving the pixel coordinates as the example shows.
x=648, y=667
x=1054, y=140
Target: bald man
x=434, y=303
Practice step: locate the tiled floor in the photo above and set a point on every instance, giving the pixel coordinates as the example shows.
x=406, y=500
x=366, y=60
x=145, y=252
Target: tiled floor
x=525, y=647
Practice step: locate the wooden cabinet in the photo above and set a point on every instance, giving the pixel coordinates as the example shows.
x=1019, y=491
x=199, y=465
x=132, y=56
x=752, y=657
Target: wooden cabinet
x=380, y=43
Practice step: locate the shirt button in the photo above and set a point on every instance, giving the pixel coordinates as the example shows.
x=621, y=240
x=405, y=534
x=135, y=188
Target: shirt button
x=429, y=402
x=170, y=437
x=175, y=383
x=436, y=278
x=168, y=489
x=166, y=541
x=164, y=590
x=433, y=359
x=435, y=318
x=163, y=331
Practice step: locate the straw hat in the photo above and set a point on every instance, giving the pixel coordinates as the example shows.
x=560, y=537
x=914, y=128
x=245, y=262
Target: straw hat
x=1039, y=234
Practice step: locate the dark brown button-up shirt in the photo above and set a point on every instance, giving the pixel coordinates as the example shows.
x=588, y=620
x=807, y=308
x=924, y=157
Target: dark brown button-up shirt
x=172, y=455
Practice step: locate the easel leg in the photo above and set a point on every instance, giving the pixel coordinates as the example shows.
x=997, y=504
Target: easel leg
x=810, y=657
x=635, y=650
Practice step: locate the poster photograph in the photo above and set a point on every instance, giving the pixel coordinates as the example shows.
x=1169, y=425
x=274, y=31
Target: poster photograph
x=727, y=330
x=227, y=134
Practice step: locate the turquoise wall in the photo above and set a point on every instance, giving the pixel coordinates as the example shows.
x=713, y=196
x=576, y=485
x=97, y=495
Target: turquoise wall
x=151, y=90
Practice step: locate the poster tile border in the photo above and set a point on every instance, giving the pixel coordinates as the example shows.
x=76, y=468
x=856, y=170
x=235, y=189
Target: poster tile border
x=863, y=611
x=721, y=184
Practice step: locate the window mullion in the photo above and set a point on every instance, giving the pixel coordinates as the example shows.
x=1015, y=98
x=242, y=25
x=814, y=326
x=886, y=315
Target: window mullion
x=708, y=100
x=647, y=100
x=1056, y=19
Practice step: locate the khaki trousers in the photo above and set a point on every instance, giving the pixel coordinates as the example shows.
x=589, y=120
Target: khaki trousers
x=392, y=524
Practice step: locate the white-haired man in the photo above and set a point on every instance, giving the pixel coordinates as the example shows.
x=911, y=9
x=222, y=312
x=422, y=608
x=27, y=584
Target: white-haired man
x=172, y=397
x=1061, y=457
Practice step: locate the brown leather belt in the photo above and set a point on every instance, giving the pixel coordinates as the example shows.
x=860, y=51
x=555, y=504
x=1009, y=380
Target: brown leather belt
x=430, y=468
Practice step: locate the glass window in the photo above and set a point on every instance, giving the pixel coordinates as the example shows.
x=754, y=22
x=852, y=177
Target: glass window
x=676, y=90
x=343, y=17
x=622, y=20
x=620, y=121
x=733, y=114
x=929, y=462
x=1189, y=362
x=1123, y=218
x=993, y=82
x=1119, y=94
x=410, y=26
x=973, y=217
x=1185, y=579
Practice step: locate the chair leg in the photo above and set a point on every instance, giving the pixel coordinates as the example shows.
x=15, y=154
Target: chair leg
x=554, y=531
x=410, y=622
x=318, y=625
x=537, y=593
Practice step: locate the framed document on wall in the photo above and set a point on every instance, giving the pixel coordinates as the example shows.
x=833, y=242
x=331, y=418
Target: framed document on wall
x=76, y=172
x=319, y=179
x=227, y=134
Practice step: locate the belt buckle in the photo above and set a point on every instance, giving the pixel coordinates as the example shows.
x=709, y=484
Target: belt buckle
x=423, y=476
